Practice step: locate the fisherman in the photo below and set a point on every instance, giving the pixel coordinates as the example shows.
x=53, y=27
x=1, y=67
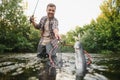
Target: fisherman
x=49, y=35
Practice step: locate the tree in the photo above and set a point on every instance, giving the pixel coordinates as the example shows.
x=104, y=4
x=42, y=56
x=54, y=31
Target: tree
x=102, y=34
x=14, y=27
x=110, y=21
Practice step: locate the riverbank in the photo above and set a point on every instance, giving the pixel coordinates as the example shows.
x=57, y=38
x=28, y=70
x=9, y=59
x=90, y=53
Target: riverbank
x=27, y=67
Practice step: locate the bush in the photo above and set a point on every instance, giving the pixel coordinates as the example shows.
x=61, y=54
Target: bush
x=2, y=48
x=106, y=52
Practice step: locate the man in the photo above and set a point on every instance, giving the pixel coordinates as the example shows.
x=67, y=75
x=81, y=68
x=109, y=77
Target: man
x=49, y=32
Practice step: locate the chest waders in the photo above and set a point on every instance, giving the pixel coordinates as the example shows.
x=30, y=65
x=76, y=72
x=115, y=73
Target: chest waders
x=47, y=54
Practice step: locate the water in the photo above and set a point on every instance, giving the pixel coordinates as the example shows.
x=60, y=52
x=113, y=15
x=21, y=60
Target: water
x=27, y=67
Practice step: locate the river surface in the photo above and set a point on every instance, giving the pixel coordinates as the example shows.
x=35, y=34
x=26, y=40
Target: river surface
x=27, y=67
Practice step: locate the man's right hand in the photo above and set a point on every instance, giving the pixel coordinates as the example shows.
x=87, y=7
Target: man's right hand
x=32, y=19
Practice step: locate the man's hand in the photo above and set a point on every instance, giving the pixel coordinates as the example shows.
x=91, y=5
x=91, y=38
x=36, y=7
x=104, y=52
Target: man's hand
x=57, y=36
x=32, y=19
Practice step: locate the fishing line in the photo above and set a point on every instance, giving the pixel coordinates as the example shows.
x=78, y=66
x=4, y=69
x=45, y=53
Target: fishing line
x=85, y=53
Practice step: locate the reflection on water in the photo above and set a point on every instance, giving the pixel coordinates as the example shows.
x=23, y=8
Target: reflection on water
x=28, y=67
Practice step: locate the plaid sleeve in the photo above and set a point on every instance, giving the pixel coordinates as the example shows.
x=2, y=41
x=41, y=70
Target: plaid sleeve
x=55, y=24
x=41, y=23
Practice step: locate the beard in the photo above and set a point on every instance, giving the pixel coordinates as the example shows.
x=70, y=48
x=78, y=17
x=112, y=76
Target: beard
x=50, y=15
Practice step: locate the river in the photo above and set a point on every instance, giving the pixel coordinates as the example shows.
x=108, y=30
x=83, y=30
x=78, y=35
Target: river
x=27, y=66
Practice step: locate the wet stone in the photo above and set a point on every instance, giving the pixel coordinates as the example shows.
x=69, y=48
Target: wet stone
x=7, y=69
x=6, y=64
x=33, y=78
x=28, y=66
x=17, y=73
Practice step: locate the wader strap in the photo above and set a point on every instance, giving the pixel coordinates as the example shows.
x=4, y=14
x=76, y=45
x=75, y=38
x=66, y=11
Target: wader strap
x=51, y=30
x=43, y=29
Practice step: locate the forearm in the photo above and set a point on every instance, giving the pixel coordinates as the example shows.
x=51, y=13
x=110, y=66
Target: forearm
x=56, y=32
x=35, y=25
x=33, y=22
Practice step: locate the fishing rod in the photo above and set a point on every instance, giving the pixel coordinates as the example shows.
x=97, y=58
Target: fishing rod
x=34, y=11
x=35, y=7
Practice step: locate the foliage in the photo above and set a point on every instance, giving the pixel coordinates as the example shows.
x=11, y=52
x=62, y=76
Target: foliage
x=66, y=45
x=102, y=34
x=15, y=31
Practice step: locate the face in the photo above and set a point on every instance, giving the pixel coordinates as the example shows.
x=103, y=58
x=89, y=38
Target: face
x=50, y=11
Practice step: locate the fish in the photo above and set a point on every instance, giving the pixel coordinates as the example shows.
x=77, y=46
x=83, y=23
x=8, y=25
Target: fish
x=80, y=61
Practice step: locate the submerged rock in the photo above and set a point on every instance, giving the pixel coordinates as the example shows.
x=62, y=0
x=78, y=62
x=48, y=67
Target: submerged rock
x=28, y=66
x=33, y=78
